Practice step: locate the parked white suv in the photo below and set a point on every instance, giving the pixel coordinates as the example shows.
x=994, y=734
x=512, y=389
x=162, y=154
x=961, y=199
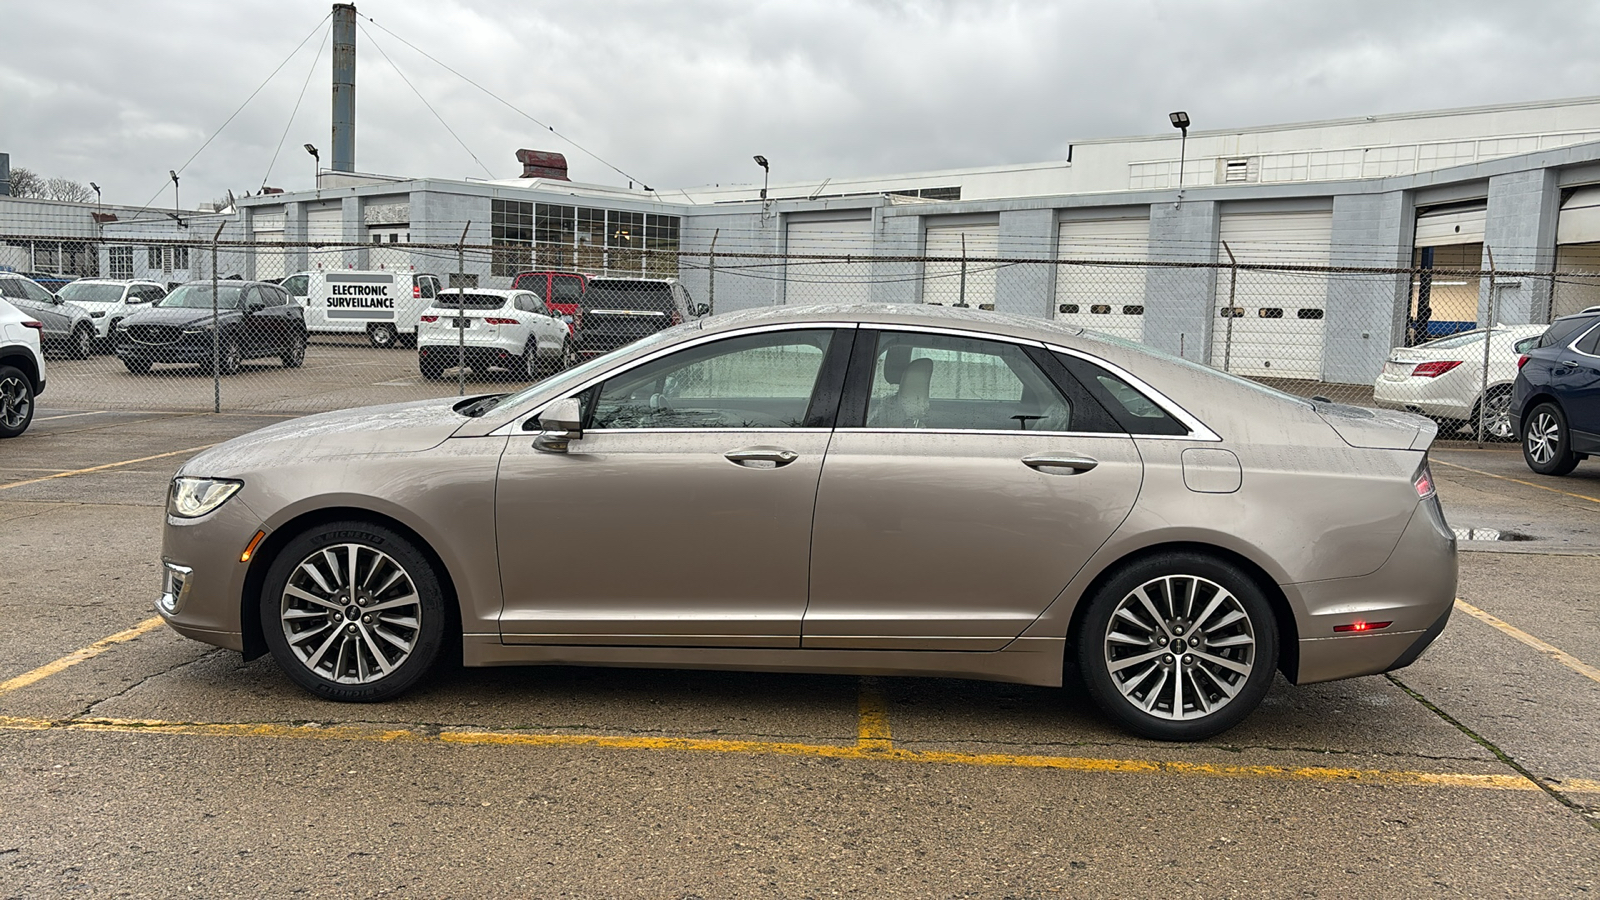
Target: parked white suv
x=484, y=329
x=109, y=301
x=21, y=369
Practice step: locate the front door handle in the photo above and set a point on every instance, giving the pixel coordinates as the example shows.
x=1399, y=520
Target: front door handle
x=1049, y=461
x=762, y=457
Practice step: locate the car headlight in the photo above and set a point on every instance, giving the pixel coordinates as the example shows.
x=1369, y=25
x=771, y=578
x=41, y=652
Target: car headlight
x=191, y=498
x=200, y=330
x=97, y=315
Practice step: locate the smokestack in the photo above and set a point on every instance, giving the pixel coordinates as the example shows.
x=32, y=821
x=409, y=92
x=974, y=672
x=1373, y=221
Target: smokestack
x=543, y=164
x=344, y=87
x=5, y=174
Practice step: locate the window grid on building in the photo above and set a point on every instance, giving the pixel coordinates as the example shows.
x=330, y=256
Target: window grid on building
x=554, y=236
x=119, y=260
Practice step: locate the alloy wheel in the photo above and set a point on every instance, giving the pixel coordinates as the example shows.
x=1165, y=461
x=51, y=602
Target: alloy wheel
x=1180, y=647
x=16, y=403
x=351, y=614
x=1544, y=437
x=1497, y=416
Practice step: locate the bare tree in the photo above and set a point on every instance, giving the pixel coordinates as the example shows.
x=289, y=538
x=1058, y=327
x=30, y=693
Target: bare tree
x=67, y=190
x=24, y=183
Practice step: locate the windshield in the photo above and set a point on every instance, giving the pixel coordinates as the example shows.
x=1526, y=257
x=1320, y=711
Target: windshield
x=457, y=300
x=88, y=292
x=198, y=296
x=649, y=296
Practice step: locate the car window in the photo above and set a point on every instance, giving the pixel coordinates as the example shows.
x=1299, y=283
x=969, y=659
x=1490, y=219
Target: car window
x=534, y=283
x=953, y=383
x=753, y=381
x=455, y=299
x=1128, y=405
x=567, y=289
x=1526, y=344
x=34, y=292
x=648, y=296
x=1588, y=343
x=1562, y=330
x=430, y=287
x=296, y=285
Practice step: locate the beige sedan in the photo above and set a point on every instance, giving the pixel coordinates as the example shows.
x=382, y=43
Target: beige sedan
x=894, y=490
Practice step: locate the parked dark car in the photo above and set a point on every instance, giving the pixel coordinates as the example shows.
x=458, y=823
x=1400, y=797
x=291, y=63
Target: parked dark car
x=615, y=312
x=253, y=320
x=67, y=326
x=1555, y=402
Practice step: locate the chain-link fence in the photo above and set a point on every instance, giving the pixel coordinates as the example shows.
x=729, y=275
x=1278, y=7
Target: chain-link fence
x=233, y=326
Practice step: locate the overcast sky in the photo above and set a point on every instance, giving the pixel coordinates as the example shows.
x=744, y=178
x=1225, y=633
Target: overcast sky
x=683, y=93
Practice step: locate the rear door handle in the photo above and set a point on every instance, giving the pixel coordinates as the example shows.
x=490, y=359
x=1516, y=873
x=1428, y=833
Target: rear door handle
x=762, y=457
x=1075, y=463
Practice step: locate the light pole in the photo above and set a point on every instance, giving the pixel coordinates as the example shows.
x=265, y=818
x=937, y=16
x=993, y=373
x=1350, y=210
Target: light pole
x=174, y=176
x=1180, y=121
x=96, y=188
x=316, y=164
x=765, y=173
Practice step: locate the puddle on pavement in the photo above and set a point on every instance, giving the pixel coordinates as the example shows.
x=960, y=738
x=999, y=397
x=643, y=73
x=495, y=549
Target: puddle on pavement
x=1490, y=534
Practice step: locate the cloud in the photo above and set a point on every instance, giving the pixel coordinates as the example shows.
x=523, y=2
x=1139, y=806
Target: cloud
x=683, y=93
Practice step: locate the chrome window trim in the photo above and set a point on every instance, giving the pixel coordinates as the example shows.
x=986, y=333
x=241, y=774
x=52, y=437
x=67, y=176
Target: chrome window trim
x=514, y=427
x=1573, y=344
x=590, y=431
x=1198, y=431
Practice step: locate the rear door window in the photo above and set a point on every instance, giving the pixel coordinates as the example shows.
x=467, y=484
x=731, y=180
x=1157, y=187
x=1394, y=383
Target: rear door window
x=948, y=383
x=1562, y=330
x=1589, y=344
x=1132, y=409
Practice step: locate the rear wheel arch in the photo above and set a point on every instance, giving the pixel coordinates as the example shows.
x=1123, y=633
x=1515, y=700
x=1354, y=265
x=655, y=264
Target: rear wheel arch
x=25, y=364
x=255, y=643
x=1538, y=396
x=1283, y=614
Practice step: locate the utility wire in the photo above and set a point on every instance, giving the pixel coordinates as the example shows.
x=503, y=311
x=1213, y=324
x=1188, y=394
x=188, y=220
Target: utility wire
x=425, y=101
x=506, y=103
x=290, y=124
x=236, y=112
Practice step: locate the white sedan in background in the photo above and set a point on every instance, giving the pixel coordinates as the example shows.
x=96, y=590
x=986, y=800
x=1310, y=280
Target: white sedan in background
x=1443, y=379
x=485, y=329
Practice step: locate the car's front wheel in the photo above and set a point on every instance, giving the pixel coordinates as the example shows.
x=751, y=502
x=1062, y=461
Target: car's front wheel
x=16, y=402
x=382, y=335
x=82, y=344
x=1179, y=646
x=294, y=351
x=229, y=357
x=1546, y=443
x=353, y=612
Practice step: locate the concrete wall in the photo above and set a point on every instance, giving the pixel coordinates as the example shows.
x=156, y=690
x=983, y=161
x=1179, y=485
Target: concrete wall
x=1178, y=311
x=1366, y=314
x=896, y=232
x=1521, y=233
x=1025, y=289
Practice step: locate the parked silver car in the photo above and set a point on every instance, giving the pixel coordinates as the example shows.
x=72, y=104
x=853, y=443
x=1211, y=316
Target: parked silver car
x=852, y=489
x=67, y=326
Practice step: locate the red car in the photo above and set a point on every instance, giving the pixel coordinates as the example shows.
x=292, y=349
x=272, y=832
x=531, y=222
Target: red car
x=558, y=290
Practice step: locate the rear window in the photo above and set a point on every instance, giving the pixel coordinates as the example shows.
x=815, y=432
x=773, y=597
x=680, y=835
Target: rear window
x=1563, y=330
x=457, y=300
x=647, y=296
x=1454, y=341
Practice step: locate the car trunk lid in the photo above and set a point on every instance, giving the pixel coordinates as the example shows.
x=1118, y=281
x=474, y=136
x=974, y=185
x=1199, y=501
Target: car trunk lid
x=1377, y=429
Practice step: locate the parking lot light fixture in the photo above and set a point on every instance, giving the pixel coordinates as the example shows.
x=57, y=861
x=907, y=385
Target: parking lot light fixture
x=316, y=163
x=766, y=172
x=1180, y=121
x=173, y=174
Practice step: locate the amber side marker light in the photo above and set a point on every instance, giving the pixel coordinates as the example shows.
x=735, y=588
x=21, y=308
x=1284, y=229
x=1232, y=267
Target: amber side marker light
x=255, y=542
x=1362, y=626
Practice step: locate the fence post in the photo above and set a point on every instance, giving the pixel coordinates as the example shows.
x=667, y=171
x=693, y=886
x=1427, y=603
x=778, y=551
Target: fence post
x=461, y=312
x=711, y=300
x=1488, y=335
x=961, y=295
x=216, y=336
x=1233, y=283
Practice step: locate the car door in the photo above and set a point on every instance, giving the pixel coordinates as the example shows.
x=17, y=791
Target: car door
x=682, y=517
x=963, y=489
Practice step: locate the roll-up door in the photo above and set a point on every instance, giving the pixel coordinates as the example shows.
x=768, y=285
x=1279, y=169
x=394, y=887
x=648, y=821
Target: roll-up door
x=1451, y=226
x=828, y=281
x=325, y=226
x=1108, y=298
x=268, y=229
x=950, y=282
x=1277, y=317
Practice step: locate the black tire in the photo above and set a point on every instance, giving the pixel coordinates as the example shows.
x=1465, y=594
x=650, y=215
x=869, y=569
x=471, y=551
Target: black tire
x=529, y=367
x=1177, y=582
x=109, y=345
x=294, y=632
x=229, y=356
x=138, y=365
x=568, y=358
x=1546, y=441
x=1499, y=416
x=383, y=335
x=408, y=341
x=16, y=402
x=431, y=369
x=81, y=346
x=294, y=352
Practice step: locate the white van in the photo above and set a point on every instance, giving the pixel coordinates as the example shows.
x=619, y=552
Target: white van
x=382, y=305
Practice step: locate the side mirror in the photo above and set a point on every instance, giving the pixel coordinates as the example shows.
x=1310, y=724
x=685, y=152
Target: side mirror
x=561, y=422
x=702, y=309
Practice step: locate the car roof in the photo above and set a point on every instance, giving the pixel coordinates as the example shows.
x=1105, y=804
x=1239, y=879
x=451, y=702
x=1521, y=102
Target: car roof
x=493, y=292
x=929, y=315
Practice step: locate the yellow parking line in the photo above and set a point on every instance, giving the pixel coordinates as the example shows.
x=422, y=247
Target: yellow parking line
x=1555, y=653
x=1541, y=487
x=101, y=468
x=872, y=722
x=78, y=656
x=391, y=734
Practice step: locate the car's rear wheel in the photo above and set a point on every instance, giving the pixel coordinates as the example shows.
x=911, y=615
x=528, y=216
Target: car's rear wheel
x=353, y=612
x=16, y=402
x=138, y=365
x=294, y=351
x=1178, y=647
x=82, y=344
x=529, y=368
x=229, y=357
x=432, y=369
x=382, y=335
x=1497, y=416
x=1546, y=442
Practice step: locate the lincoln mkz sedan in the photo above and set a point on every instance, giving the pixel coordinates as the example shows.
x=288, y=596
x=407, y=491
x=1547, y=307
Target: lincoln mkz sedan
x=850, y=489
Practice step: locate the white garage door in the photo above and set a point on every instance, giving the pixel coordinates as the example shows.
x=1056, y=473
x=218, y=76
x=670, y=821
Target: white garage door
x=325, y=226
x=828, y=281
x=1276, y=317
x=949, y=283
x=269, y=260
x=1104, y=298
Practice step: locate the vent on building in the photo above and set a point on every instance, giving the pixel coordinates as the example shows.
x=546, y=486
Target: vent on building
x=1239, y=169
x=543, y=164
x=941, y=193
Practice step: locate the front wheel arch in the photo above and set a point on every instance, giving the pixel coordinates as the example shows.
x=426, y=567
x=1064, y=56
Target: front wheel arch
x=1288, y=630
x=255, y=642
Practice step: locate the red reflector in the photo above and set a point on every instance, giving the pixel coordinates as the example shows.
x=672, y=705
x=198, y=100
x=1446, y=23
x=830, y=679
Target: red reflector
x=1362, y=626
x=430, y=318
x=1424, y=481
x=1522, y=360
x=501, y=321
x=37, y=326
x=1434, y=369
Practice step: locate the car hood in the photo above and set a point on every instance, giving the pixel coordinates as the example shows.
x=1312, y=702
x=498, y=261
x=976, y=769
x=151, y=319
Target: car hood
x=178, y=316
x=396, y=428
x=1378, y=429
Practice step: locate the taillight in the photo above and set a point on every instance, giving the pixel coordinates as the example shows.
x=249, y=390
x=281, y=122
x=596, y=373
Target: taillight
x=1423, y=481
x=430, y=319
x=1434, y=369
x=1362, y=626
x=36, y=326
x=492, y=321
x=416, y=291
x=1522, y=360
x=676, y=319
